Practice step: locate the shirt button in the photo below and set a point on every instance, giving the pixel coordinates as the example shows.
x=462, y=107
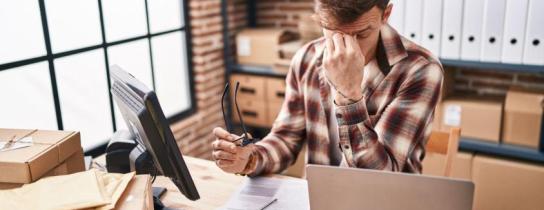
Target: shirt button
x=338, y=115
x=346, y=146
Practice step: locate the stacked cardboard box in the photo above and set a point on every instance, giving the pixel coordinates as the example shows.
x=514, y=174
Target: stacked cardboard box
x=518, y=122
x=478, y=118
x=51, y=153
x=287, y=52
x=259, y=99
x=251, y=99
x=434, y=164
x=523, y=117
x=275, y=89
x=260, y=46
x=506, y=184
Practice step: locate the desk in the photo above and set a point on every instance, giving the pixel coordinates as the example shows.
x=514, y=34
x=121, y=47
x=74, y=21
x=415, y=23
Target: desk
x=214, y=186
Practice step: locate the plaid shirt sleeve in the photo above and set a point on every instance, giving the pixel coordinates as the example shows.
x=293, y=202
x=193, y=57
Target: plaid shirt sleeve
x=281, y=146
x=387, y=144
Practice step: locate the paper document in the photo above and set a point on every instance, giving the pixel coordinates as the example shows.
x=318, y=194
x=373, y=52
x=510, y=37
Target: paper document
x=256, y=193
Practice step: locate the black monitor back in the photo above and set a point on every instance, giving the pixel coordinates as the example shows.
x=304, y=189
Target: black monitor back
x=145, y=119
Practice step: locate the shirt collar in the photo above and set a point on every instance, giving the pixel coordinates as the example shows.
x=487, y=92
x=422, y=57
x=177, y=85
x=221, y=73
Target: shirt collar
x=390, y=46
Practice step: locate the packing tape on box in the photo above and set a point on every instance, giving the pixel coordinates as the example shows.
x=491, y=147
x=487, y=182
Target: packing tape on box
x=19, y=143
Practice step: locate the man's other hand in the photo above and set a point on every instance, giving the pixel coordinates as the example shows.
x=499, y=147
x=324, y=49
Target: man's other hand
x=228, y=155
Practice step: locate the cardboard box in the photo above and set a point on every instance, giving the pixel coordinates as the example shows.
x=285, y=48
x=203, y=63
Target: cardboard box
x=523, y=118
x=505, y=184
x=434, y=164
x=437, y=120
x=138, y=195
x=260, y=46
x=49, y=149
x=253, y=112
x=289, y=49
x=72, y=164
x=282, y=66
x=478, y=118
x=274, y=109
x=275, y=90
x=251, y=87
x=7, y=186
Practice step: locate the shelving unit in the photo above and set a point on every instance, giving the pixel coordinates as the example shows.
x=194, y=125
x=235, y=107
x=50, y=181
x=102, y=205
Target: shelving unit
x=503, y=150
x=466, y=144
x=255, y=70
x=494, y=66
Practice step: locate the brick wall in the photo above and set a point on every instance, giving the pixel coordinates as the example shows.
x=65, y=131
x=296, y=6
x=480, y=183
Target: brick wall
x=194, y=133
x=485, y=82
x=282, y=13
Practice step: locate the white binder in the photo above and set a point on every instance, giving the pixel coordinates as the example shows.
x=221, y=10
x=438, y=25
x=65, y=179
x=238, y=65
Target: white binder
x=432, y=25
x=494, y=11
x=452, y=22
x=413, y=20
x=471, y=43
x=514, y=31
x=396, y=20
x=534, y=36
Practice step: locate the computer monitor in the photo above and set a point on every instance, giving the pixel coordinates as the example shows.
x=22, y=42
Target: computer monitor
x=146, y=121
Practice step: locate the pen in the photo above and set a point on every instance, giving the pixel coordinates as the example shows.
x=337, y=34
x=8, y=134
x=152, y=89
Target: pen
x=271, y=202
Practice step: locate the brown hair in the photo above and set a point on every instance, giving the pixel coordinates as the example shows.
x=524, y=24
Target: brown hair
x=338, y=12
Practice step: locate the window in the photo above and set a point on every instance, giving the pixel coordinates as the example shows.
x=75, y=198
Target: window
x=55, y=57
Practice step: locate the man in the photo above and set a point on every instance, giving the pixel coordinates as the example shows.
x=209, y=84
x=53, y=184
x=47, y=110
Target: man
x=363, y=96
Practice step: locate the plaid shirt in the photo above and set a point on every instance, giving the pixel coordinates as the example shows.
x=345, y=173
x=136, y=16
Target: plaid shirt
x=386, y=130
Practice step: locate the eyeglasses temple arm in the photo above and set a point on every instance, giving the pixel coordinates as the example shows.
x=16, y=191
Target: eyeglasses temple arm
x=238, y=110
x=227, y=124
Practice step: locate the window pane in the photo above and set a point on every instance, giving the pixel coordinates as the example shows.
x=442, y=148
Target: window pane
x=171, y=73
x=27, y=98
x=22, y=34
x=132, y=57
x=124, y=19
x=73, y=24
x=164, y=15
x=84, y=98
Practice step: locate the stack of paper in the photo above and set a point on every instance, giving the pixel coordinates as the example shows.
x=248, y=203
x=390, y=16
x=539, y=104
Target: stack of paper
x=89, y=189
x=270, y=193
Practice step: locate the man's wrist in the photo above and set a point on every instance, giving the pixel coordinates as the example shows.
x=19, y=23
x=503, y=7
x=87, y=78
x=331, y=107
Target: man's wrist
x=250, y=165
x=344, y=99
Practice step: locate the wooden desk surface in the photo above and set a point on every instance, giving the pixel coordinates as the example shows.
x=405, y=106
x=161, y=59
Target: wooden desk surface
x=214, y=186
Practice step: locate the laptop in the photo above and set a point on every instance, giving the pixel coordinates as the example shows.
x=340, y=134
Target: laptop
x=333, y=187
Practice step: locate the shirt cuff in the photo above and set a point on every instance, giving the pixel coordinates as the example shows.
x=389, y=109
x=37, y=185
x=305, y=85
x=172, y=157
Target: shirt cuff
x=352, y=113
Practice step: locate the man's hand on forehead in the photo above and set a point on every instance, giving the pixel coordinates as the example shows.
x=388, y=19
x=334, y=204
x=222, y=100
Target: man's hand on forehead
x=343, y=62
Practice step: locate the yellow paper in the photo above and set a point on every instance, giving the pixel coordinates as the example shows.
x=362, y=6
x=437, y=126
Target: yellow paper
x=88, y=189
x=113, y=186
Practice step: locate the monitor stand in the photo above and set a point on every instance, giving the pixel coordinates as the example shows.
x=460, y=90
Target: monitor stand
x=157, y=194
x=141, y=162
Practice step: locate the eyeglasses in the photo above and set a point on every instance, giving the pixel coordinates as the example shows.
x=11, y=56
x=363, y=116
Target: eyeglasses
x=245, y=139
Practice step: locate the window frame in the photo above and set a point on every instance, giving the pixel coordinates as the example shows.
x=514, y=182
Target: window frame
x=50, y=57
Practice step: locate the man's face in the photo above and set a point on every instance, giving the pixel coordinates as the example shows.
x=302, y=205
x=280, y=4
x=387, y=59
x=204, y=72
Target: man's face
x=366, y=29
